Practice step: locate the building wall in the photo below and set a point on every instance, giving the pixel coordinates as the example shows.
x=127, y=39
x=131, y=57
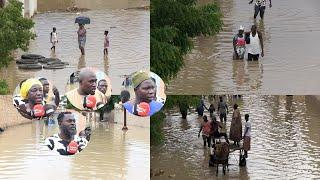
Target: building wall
x=9, y=116
x=30, y=7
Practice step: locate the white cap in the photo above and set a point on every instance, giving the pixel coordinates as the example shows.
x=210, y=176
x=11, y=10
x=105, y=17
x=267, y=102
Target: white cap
x=241, y=28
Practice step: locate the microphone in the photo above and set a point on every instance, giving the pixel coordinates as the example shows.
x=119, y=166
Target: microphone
x=38, y=110
x=89, y=101
x=72, y=147
x=143, y=109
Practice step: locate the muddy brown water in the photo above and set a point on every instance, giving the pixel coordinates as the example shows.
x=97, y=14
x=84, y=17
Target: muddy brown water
x=290, y=65
x=285, y=142
x=129, y=43
x=111, y=153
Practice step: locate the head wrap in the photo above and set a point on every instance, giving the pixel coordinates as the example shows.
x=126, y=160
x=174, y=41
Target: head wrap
x=139, y=77
x=26, y=86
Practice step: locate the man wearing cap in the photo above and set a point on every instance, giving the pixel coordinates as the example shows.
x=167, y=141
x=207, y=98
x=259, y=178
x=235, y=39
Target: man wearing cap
x=260, y=7
x=66, y=142
x=87, y=88
x=239, y=44
x=145, y=92
x=31, y=94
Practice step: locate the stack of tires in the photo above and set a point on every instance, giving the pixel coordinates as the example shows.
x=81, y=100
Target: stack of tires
x=35, y=61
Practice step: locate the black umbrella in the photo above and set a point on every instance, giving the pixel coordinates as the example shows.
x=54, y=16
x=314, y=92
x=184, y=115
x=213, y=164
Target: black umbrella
x=82, y=20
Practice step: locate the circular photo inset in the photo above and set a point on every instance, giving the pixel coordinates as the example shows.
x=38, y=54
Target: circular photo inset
x=143, y=94
x=36, y=98
x=72, y=134
x=88, y=89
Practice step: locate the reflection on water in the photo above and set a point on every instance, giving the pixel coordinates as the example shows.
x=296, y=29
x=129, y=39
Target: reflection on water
x=128, y=52
x=285, y=142
x=111, y=153
x=290, y=32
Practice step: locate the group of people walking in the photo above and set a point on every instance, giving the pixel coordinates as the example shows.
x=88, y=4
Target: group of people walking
x=210, y=126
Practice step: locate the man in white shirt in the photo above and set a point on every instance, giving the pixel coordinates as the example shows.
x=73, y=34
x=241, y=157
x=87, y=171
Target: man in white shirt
x=247, y=136
x=255, y=46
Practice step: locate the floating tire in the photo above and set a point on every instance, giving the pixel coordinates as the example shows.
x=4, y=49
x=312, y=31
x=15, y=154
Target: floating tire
x=55, y=62
x=49, y=60
x=54, y=66
x=30, y=66
x=27, y=61
x=58, y=64
x=32, y=56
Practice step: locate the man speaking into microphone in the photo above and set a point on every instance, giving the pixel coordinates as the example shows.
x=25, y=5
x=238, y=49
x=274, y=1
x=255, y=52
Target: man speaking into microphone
x=66, y=142
x=86, y=96
x=144, y=103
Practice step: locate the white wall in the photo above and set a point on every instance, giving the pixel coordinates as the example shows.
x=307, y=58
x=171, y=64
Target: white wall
x=30, y=7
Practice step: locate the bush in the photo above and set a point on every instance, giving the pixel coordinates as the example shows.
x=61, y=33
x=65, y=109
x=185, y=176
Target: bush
x=4, y=88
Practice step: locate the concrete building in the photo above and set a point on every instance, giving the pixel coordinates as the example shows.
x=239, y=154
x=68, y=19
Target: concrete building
x=29, y=7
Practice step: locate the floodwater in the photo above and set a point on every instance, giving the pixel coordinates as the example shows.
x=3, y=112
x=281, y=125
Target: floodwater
x=111, y=153
x=285, y=142
x=290, y=65
x=128, y=52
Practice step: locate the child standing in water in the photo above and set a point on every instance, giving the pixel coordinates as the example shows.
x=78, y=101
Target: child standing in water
x=106, y=43
x=53, y=38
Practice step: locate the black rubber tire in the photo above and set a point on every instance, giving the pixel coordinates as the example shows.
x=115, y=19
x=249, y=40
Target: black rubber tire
x=49, y=60
x=54, y=66
x=30, y=66
x=55, y=63
x=32, y=56
x=27, y=61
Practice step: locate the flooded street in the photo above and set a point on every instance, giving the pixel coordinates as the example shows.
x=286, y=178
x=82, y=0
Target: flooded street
x=129, y=44
x=290, y=65
x=111, y=153
x=285, y=142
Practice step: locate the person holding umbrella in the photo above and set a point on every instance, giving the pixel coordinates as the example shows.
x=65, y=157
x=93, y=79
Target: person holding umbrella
x=82, y=36
x=82, y=33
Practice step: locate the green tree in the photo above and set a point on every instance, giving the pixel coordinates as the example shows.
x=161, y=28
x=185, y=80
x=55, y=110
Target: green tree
x=14, y=31
x=173, y=23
